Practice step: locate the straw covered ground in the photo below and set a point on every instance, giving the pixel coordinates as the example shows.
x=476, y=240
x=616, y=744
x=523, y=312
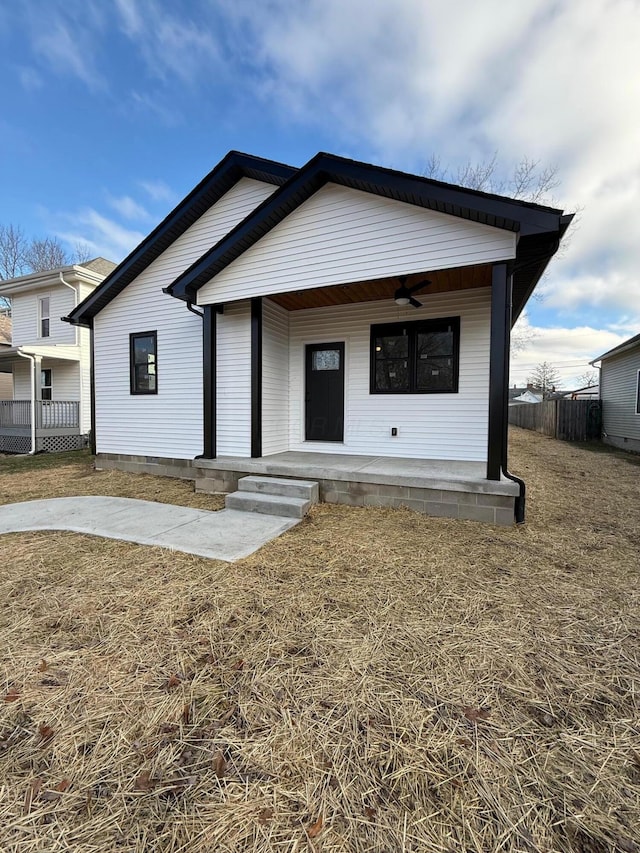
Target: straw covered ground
x=373, y=680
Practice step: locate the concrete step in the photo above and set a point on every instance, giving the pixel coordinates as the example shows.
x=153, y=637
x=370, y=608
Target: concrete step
x=306, y=489
x=289, y=507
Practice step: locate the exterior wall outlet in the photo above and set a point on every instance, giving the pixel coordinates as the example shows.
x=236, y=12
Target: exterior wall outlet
x=394, y=431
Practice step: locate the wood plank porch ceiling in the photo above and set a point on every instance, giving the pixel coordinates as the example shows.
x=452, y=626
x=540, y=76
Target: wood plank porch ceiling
x=442, y=281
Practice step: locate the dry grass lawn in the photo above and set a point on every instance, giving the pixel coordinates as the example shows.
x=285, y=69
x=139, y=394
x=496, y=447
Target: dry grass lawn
x=373, y=680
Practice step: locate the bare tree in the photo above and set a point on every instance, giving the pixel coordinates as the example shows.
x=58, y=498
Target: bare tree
x=81, y=253
x=13, y=246
x=545, y=378
x=587, y=379
x=45, y=254
x=527, y=180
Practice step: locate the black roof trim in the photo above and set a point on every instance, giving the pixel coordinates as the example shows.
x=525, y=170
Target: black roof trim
x=228, y=172
x=525, y=218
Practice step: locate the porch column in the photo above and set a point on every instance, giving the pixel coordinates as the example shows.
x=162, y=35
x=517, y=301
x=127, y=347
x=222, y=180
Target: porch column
x=256, y=377
x=501, y=285
x=209, y=379
x=92, y=386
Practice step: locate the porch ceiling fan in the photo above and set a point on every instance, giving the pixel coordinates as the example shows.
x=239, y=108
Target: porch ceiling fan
x=404, y=294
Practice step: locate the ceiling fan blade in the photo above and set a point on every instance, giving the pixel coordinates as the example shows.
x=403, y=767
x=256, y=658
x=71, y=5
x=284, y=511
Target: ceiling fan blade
x=415, y=302
x=419, y=285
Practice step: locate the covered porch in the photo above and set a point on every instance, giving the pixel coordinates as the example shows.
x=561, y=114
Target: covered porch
x=40, y=425
x=447, y=488
x=35, y=421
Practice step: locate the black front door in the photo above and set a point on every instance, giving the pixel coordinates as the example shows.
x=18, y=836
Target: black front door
x=324, y=397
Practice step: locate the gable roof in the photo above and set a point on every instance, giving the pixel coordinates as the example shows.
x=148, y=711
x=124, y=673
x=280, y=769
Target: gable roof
x=228, y=172
x=539, y=228
x=100, y=265
x=623, y=347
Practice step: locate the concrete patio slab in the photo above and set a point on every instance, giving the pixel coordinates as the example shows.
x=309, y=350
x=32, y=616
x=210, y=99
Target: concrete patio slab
x=225, y=535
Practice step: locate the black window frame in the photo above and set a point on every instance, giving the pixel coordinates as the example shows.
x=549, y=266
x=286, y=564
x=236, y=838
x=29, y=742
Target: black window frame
x=638, y=393
x=132, y=364
x=46, y=389
x=414, y=327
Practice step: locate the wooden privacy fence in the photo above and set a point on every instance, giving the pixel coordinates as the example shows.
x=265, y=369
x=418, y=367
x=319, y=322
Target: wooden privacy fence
x=567, y=420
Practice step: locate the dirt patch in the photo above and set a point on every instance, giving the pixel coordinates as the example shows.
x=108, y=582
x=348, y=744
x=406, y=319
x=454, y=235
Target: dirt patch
x=373, y=680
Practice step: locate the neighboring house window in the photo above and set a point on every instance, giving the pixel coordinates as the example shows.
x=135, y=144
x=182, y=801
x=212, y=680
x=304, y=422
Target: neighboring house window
x=45, y=384
x=143, y=352
x=418, y=357
x=638, y=393
x=43, y=311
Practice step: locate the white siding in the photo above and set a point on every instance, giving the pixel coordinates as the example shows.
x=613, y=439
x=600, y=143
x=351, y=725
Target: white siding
x=618, y=389
x=168, y=423
x=233, y=403
x=342, y=235
x=24, y=309
x=275, y=378
x=430, y=426
x=22, y=379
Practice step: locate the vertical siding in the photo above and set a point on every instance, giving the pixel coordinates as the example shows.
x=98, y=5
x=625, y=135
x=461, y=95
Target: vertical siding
x=233, y=402
x=618, y=388
x=430, y=426
x=275, y=378
x=343, y=235
x=24, y=308
x=169, y=423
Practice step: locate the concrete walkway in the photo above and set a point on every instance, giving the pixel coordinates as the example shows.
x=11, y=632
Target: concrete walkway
x=224, y=535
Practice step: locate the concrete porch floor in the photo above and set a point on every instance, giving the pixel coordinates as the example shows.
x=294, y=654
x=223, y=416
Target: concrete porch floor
x=433, y=474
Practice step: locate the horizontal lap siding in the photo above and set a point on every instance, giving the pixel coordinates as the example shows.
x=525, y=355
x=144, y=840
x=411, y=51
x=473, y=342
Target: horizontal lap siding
x=275, y=378
x=342, y=235
x=22, y=379
x=25, y=319
x=618, y=387
x=430, y=426
x=169, y=423
x=233, y=413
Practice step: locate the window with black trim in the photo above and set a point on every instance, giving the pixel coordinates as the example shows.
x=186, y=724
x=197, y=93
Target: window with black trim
x=417, y=357
x=638, y=394
x=143, y=362
x=46, y=384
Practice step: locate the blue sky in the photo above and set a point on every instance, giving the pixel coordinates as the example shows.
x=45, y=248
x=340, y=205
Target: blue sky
x=114, y=109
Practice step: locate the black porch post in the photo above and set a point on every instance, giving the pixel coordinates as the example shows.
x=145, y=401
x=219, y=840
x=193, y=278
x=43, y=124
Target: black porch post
x=92, y=391
x=501, y=283
x=256, y=377
x=209, y=380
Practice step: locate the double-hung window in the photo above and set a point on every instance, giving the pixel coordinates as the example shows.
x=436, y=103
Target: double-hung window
x=43, y=317
x=143, y=348
x=417, y=357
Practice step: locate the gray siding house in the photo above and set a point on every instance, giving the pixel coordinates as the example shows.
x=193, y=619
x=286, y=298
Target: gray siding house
x=620, y=395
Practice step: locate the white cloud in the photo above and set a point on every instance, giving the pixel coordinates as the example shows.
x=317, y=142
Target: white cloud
x=158, y=190
x=103, y=235
x=569, y=350
x=29, y=78
x=128, y=208
x=173, y=45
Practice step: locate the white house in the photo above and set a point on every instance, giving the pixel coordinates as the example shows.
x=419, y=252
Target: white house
x=339, y=321
x=48, y=360
x=620, y=394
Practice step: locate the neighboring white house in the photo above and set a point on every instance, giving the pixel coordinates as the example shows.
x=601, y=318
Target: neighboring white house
x=620, y=394
x=340, y=321
x=6, y=380
x=527, y=397
x=48, y=360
